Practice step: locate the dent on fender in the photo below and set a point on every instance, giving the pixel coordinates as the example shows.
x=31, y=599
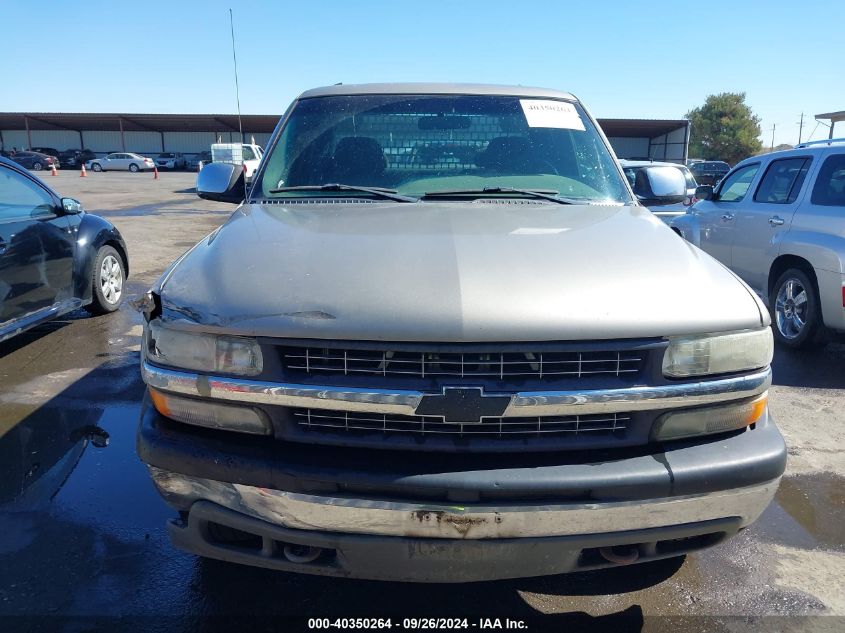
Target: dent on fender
x=170, y=311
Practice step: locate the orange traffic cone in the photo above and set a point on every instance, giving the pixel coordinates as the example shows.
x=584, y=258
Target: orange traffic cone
x=82, y=174
x=155, y=172
x=53, y=171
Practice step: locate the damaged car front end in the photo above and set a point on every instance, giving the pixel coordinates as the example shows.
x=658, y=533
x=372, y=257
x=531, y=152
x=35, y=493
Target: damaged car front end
x=471, y=369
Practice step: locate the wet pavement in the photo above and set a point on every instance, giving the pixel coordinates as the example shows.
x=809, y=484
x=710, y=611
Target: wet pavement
x=83, y=544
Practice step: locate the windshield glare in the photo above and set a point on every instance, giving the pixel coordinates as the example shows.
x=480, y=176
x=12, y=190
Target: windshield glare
x=420, y=144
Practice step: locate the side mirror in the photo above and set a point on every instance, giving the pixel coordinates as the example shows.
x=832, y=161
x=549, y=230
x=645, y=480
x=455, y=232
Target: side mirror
x=221, y=182
x=71, y=206
x=704, y=192
x=659, y=185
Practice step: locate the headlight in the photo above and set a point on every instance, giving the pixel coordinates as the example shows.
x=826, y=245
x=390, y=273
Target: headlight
x=204, y=352
x=718, y=354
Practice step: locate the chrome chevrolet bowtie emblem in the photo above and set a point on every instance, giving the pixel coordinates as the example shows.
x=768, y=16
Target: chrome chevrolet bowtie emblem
x=463, y=405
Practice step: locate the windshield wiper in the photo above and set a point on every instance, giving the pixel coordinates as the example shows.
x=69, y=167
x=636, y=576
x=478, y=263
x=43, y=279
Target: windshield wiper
x=543, y=194
x=387, y=194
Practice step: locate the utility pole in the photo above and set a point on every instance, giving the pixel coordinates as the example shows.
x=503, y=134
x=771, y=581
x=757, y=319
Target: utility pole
x=800, y=128
x=773, y=137
x=237, y=89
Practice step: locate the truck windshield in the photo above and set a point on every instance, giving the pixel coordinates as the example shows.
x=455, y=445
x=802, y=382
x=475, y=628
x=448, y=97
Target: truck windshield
x=418, y=144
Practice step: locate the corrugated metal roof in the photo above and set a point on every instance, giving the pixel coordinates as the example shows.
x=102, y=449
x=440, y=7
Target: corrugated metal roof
x=834, y=117
x=137, y=122
x=640, y=127
x=261, y=123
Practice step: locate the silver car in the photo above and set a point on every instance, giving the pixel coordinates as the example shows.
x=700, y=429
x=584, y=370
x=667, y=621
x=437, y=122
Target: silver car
x=121, y=161
x=666, y=211
x=454, y=369
x=778, y=221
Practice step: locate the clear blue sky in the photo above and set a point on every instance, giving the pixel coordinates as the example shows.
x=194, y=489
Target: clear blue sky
x=653, y=59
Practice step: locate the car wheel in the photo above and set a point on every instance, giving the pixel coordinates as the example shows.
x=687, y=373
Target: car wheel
x=133, y=168
x=107, y=281
x=36, y=167
x=96, y=167
x=794, y=306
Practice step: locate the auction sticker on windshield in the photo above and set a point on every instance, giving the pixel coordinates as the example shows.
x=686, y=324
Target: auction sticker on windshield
x=548, y=113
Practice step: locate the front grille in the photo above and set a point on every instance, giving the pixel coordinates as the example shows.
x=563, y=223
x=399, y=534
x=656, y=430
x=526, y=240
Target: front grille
x=609, y=424
x=316, y=361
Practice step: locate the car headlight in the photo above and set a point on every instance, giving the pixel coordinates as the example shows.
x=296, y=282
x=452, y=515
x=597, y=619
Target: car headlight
x=718, y=353
x=203, y=352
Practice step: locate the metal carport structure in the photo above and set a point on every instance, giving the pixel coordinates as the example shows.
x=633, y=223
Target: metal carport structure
x=658, y=139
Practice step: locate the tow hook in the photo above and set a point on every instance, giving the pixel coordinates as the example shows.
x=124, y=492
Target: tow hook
x=620, y=555
x=302, y=553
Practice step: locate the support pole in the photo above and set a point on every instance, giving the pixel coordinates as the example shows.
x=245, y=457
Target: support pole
x=122, y=140
x=28, y=136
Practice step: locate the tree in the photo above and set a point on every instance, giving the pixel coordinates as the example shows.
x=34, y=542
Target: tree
x=724, y=128
x=777, y=148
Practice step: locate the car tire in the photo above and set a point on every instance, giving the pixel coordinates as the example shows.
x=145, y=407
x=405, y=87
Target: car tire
x=36, y=167
x=107, y=281
x=96, y=167
x=133, y=168
x=796, y=311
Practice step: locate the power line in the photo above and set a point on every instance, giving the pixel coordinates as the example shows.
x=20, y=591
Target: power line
x=237, y=88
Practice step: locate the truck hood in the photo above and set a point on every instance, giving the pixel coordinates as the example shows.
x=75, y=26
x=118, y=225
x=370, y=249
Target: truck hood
x=488, y=270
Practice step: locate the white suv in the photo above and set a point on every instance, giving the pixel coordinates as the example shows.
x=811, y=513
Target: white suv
x=778, y=221
x=171, y=160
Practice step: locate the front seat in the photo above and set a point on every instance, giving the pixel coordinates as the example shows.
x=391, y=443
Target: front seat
x=507, y=154
x=358, y=160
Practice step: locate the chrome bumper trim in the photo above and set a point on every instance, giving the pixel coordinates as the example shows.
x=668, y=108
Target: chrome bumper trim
x=405, y=402
x=387, y=518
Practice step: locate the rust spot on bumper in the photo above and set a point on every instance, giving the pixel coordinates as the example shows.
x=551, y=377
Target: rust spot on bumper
x=462, y=524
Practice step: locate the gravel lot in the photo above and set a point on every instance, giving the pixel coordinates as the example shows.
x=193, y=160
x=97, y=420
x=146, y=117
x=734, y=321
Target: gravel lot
x=88, y=538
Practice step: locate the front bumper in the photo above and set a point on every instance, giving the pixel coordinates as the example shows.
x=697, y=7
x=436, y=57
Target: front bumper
x=393, y=558
x=394, y=516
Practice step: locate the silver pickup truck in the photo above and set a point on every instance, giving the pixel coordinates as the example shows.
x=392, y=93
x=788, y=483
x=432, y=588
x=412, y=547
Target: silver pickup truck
x=441, y=340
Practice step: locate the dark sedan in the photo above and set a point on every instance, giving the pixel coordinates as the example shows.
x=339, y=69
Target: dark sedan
x=76, y=157
x=54, y=257
x=34, y=160
x=50, y=151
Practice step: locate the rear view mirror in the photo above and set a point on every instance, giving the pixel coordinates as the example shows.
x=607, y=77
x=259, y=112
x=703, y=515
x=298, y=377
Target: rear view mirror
x=704, y=192
x=71, y=206
x=660, y=184
x=222, y=182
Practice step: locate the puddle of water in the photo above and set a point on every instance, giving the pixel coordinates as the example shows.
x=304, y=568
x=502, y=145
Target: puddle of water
x=79, y=464
x=808, y=512
x=111, y=488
